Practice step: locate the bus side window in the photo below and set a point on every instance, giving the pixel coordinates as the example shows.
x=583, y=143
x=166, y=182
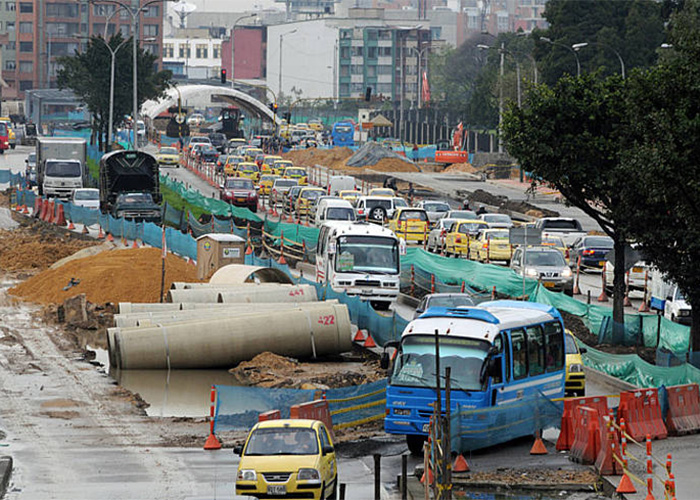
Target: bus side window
x=519, y=354
x=555, y=346
x=535, y=350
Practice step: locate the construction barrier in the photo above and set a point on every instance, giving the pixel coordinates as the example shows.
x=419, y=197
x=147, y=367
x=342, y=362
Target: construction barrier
x=683, y=415
x=313, y=410
x=270, y=415
x=568, y=420
x=586, y=444
x=641, y=411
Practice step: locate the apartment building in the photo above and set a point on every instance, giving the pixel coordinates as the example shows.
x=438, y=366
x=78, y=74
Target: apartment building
x=40, y=31
x=192, y=54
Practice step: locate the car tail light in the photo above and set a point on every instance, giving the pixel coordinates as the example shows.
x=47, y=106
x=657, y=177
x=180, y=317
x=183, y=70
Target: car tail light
x=485, y=245
x=567, y=254
x=360, y=211
x=588, y=252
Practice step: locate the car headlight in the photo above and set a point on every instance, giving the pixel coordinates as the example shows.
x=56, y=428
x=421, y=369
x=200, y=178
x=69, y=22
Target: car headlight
x=247, y=475
x=684, y=312
x=308, y=475
x=575, y=368
x=529, y=271
x=566, y=273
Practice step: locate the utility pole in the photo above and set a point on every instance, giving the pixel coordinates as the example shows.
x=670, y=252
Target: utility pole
x=500, y=98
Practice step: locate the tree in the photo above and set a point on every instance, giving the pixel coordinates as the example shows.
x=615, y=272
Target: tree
x=570, y=135
x=662, y=161
x=634, y=28
x=88, y=75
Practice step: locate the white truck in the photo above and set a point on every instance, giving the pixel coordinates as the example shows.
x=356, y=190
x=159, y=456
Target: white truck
x=567, y=228
x=668, y=298
x=61, y=164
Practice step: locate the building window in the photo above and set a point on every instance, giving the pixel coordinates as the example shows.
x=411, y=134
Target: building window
x=125, y=30
x=103, y=10
x=63, y=29
x=99, y=29
x=151, y=11
x=345, y=70
x=371, y=34
x=357, y=87
x=385, y=70
x=10, y=6
x=66, y=9
x=344, y=88
x=385, y=51
x=168, y=50
x=26, y=85
x=216, y=52
x=385, y=35
x=150, y=30
x=62, y=48
x=345, y=34
x=184, y=51
x=26, y=66
x=26, y=46
x=10, y=25
x=11, y=46
x=151, y=48
x=384, y=88
x=356, y=51
x=371, y=52
x=356, y=69
x=371, y=71
x=202, y=51
x=26, y=7
x=10, y=65
x=345, y=52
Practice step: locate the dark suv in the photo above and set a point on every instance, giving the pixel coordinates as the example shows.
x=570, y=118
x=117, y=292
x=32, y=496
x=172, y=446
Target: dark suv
x=240, y=192
x=218, y=140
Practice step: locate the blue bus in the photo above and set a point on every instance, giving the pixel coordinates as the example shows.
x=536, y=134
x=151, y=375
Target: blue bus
x=507, y=365
x=343, y=134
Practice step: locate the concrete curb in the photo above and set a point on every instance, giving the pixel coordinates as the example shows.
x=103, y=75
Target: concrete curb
x=5, y=473
x=608, y=381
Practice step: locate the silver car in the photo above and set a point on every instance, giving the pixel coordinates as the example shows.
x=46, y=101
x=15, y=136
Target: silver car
x=497, y=220
x=443, y=300
x=546, y=265
x=436, y=236
x=436, y=210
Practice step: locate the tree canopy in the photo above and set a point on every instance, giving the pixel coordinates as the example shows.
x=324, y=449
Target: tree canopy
x=87, y=74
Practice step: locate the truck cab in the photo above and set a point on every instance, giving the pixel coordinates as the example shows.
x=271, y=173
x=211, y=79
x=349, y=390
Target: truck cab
x=669, y=299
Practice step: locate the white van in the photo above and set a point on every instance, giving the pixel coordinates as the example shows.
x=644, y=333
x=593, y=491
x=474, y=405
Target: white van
x=338, y=183
x=334, y=209
x=668, y=298
x=360, y=259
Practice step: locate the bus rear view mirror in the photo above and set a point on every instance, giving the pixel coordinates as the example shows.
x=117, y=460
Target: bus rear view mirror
x=384, y=361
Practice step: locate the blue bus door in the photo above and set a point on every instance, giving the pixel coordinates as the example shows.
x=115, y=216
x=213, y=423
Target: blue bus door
x=501, y=361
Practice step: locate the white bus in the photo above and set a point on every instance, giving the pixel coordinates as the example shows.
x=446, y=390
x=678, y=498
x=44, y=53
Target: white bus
x=360, y=259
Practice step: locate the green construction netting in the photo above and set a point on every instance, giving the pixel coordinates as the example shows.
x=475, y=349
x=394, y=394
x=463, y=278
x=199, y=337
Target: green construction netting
x=633, y=369
x=640, y=329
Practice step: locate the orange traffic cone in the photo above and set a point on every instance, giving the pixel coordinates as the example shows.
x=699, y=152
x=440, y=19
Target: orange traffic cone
x=369, y=342
x=212, y=442
x=430, y=477
x=626, y=485
x=110, y=237
x=135, y=245
x=71, y=226
x=100, y=235
x=359, y=336
x=538, y=447
x=460, y=464
x=248, y=250
x=25, y=210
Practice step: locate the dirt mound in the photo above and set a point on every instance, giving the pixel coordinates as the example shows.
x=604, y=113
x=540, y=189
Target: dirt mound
x=25, y=249
x=331, y=158
x=131, y=275
x=270, y=370
x=461, y=167
x=391, y=165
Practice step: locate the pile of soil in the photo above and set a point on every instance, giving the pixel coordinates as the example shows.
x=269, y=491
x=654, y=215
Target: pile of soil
x=390, y=165
x=481, y=196
x=131, y=275
x=331, y=158
x=461, y=167
x=29, y=249
x=271, y=370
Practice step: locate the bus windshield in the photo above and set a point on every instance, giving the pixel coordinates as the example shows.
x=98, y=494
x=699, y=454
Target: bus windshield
x=416, y=365
x=367, y=254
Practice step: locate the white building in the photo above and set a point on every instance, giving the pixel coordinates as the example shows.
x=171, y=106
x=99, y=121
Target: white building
x=193, y=57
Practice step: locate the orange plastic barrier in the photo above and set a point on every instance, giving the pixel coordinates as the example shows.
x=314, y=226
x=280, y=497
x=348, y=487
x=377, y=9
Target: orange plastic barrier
x=60, y=219
x=683, y=415
x=37, y=206
x=43, y=209
x=566, y=436
x=586, y=443
x=270, y=415
x=609, y=447
x=642, y=413
x=314, y=410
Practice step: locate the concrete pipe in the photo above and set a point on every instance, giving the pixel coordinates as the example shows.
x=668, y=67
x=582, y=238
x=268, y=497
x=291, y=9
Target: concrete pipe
x=224, y=343
x=297, y=293
x=135, y=307
x=182, y=285
x=139, y=319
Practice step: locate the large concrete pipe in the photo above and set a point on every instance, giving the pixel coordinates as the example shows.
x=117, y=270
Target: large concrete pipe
x=297, y=293
x=224, y=343
x=139, y=319
x=136, y=307
x=183, y=285
x=240, y=273
x=266, y=292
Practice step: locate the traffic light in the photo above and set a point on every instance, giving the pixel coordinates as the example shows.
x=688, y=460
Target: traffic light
x=368, y=94
x=223, y=75
x=273, y=107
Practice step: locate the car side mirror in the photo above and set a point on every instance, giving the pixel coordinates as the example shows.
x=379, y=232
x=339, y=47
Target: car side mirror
x=384, y=361
x=238, y=450
x=327, y=449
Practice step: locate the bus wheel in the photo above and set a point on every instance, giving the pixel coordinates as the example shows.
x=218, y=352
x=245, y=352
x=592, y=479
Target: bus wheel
x=415, y=444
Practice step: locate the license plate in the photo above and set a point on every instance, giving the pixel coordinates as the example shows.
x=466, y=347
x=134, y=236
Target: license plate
x=365, y=291
x=426, y=428
x=240, y=199
x=276, y=489
x=549, y=284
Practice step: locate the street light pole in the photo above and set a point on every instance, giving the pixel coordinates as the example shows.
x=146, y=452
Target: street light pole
x=419, y=82
x=233, y=59
x=282, y=35
x=574, y=52
x=581, y=45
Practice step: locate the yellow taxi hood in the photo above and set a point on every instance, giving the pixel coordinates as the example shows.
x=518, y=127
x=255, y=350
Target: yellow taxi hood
x=572, y=359
x=279, y=463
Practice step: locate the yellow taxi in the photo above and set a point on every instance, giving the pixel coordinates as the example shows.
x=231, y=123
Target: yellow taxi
x=411, y=224
x=279, y=165
x=297, y=173
x=302, y=126
x=266, y=182
x=307, y=199
x=350, y=195
x=550, y=240
x=268, y=162
x=575, y=382
x=249, y=170
x=287, y=457
x=11, y=137
x=462, y=232
x=251, y=153
x=316, y=126
x=231, y=164
x=168, y=156
x=491, y=244
x=382, y=192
